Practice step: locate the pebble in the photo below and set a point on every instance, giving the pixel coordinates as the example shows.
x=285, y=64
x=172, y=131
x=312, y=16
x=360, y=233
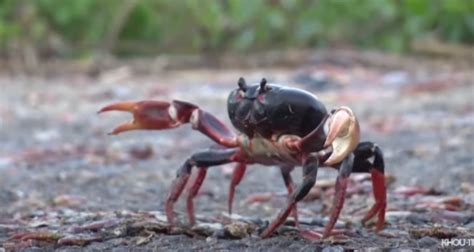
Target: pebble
x=317, y=221
x=470, y=226
x=206, y=229
x=8, y=196
x=238, y=229
x=393, y=233
x=211, y=240
x=427, y=242
x=395, y=216
x=35, y=249
x=333, y=249
x=417, y=219
x=159, y=216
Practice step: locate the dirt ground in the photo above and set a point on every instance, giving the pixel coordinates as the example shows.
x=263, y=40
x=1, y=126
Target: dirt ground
x=66, y=184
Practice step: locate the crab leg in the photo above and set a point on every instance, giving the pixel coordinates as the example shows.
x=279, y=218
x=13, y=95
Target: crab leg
x=314, y=140
x=237, y=176
x=201, y=159
x=159, y=115
x=340, y=194
x=378, y=183
x=193, y=191
x=338, y=202
x=310, y=170
x=285, y=173
x=363, y=152
x=239, y=171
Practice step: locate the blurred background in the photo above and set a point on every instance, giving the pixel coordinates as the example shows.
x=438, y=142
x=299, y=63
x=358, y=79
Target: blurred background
x=405, y=67
x=35, y=30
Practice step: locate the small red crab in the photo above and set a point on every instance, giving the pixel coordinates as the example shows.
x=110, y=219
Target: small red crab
x=278, y=125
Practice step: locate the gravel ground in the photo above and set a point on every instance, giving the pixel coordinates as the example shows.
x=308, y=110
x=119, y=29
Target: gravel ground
x=63, y=176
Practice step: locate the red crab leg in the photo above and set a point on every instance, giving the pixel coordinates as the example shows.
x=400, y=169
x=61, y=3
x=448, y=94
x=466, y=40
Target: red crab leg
x=237, y=176
x=285, y=172
x=310, y=170
x=378, y=183
x=206, y=158
x=341, y=187
x=193, y=191
x=158, y=115
x=363, y=153
x=345, y=169
x=262, y=197
x=177, y=188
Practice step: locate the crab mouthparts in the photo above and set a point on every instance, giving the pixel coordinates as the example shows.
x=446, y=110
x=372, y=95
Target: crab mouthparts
x=343, y=135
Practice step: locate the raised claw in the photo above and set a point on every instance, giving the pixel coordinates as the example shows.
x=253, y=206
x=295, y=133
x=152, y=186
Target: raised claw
x=343, y=135
x=150, y=114
x=159, y=115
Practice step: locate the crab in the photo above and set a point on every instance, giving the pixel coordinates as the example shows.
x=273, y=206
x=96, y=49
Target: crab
x=277, y=126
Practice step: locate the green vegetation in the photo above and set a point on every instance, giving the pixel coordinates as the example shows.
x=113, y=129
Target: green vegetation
x=80, y=27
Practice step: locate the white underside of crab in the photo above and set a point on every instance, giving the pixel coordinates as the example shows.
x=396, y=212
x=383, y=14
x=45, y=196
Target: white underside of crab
x=269, y=151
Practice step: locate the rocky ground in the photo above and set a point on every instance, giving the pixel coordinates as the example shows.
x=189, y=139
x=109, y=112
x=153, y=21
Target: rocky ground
x=65, y=184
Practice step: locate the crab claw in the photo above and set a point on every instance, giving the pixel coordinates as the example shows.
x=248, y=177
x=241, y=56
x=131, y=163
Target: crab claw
x=343, y=134
x=148, y=114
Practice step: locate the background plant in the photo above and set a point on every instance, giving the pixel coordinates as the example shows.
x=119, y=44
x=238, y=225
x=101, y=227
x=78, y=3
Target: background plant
x=78, y=28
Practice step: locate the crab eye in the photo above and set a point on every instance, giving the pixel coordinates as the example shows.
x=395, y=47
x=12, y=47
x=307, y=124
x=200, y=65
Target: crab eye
x=238, y=95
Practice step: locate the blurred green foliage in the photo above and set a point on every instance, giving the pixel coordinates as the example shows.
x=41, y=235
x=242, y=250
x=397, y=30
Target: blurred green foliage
x=76, y=27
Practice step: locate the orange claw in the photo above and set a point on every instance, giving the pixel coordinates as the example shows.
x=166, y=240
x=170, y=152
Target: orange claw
x=146, y=115
x=120, y=106
x=159, y=115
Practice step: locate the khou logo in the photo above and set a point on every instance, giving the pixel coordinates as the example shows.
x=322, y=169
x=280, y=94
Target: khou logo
x=457, y=242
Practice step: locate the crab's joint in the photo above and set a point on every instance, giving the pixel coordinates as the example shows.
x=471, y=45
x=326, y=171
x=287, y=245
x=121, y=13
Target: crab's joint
x=292, y=143
x=324, y=153
x=194, y=119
